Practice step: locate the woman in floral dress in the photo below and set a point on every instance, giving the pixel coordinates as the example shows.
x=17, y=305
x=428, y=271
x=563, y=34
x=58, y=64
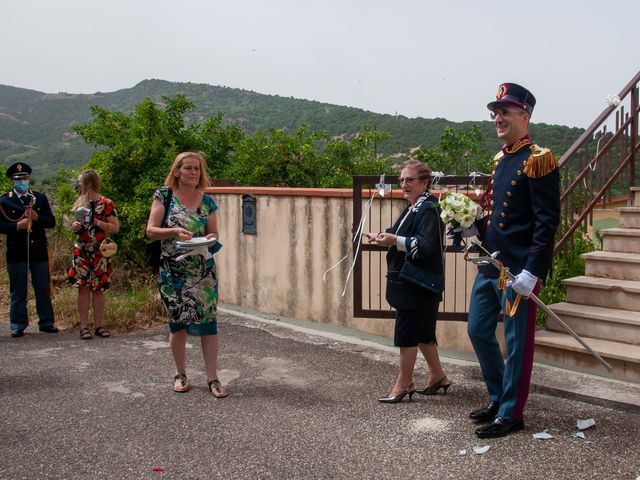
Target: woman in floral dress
x=188, y=286
x=90, y=271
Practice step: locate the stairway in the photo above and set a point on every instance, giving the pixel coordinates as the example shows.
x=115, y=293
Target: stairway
x=603, y=306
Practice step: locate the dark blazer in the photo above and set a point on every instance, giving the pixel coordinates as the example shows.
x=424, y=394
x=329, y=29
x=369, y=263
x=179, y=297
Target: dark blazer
x=423, y=230
x=524, y=211
x=11, y=210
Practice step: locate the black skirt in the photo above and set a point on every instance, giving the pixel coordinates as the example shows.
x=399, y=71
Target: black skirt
x=416, y=325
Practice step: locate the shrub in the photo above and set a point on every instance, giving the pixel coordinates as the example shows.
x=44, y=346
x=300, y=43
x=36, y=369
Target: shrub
x=566, y=265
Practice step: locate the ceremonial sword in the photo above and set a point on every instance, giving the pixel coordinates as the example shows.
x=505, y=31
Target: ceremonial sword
x=490, y=259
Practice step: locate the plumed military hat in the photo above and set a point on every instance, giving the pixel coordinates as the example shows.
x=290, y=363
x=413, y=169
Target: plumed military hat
x=18, y=169
x=514, y=94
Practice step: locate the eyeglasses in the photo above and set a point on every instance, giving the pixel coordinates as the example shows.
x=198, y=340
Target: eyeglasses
x=505, y=112
x=408, y=180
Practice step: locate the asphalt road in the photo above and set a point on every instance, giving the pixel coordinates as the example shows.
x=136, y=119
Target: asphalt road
x=301, y=406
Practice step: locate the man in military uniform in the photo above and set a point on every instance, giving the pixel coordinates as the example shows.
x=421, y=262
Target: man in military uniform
x=523, y=211
x=24, y=215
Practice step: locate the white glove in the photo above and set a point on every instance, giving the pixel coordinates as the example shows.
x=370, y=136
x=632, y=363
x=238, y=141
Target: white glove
x=524, y=283
x=471, y=231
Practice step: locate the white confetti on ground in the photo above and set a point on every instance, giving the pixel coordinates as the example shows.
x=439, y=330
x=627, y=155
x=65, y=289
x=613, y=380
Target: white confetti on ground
x=117, y=387
x=44, y=352
x=584, y=424
x=429, y=424
x=543, y=435
x=481, y=450
x=227, y=375
x=154, y=344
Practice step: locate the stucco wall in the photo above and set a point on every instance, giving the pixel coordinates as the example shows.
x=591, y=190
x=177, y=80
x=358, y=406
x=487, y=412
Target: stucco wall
x=300, y=234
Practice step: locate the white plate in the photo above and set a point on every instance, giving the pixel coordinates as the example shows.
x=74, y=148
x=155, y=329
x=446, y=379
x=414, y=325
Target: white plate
x=196, y=242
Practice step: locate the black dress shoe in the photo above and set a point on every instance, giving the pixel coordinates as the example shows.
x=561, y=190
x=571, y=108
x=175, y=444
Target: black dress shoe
x=50, y=329
x=17, y=333
x=486, y=413
x=499, y=428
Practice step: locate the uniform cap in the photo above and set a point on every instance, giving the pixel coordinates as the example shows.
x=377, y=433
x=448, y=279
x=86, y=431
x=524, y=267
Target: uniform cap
x=514, y=94
x=18, y=169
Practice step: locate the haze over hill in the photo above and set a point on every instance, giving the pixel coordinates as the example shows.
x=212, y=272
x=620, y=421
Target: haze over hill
x=36, y=127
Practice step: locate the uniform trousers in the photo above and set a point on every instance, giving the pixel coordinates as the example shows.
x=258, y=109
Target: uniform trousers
x=507, y=381
x=18, y=289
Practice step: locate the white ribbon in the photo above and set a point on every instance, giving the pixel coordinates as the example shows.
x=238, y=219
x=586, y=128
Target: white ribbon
x=473, y=176
x=357, y=239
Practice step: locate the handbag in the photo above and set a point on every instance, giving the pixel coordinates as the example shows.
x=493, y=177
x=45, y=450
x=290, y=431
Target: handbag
x=153, y=250
x=431, y=282
x=108, y=247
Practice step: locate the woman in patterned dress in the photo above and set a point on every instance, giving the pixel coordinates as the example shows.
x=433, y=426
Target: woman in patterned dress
x=188, y=287
x=90, y=271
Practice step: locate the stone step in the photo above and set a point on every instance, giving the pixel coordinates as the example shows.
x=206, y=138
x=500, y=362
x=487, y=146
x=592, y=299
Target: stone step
x=563, y=350
x=629, y=217
x=603, y=292
x=621, y=240
x=620, y=265
x=597, y=322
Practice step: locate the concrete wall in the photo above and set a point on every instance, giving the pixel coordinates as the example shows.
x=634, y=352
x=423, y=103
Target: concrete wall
x=300, y=234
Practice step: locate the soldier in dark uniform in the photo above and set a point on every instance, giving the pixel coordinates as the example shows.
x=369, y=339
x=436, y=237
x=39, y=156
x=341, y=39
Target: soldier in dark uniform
x=523, y=205
x=24, y=215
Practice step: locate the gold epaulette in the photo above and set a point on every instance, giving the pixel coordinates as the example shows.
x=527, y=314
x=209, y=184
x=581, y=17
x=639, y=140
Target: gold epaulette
x=498, y=156
x=541, y=162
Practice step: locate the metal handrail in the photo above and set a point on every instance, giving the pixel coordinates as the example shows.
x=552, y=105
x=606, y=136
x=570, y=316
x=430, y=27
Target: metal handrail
x=590, y=188
x=591, y=130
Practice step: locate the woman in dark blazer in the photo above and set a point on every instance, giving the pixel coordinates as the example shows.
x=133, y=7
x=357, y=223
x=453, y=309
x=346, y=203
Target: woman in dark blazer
x=416, y=237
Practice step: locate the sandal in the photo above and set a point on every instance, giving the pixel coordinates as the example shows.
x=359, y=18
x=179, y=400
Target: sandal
x=181, y=384
x=102, y=332
x=216, y=389
x=85, y=334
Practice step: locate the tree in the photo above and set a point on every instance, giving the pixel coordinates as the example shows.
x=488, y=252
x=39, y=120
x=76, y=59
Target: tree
x=306, y=159
x=277, y=159
x=357, y=156
x=136, y=152
x=458, y=153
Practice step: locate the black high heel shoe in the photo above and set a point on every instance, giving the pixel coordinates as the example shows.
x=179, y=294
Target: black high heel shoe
x=410, y=390
x=433, y=389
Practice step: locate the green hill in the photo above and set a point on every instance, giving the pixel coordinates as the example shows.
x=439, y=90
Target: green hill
x=36, y=126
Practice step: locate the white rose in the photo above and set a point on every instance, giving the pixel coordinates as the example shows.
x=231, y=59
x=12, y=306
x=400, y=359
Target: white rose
x=466, y=221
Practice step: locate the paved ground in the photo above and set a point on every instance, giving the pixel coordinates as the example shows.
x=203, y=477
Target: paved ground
x=301, y=406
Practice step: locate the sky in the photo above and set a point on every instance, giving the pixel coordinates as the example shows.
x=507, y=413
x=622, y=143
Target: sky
x=417, y=58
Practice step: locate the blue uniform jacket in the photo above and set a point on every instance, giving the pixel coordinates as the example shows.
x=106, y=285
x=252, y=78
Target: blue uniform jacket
x=11, y=210
x=524, y=211
x=423, y=231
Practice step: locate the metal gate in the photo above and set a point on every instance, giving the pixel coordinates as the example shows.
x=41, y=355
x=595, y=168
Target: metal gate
x=369, y=282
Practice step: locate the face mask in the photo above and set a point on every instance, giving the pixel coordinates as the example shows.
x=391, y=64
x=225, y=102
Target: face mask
x=21, y=186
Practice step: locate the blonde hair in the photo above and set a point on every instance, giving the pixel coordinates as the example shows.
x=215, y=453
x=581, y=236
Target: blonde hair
x=424, y=170
x=88, y=182
x=173, y=182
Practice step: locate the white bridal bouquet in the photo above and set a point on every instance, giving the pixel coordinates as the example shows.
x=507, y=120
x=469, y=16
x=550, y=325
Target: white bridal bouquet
x=459, y=211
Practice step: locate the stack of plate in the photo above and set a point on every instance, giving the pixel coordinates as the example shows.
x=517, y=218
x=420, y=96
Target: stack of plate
x=196, y=242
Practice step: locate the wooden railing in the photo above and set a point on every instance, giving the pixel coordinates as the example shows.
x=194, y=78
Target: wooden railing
x=601, y=164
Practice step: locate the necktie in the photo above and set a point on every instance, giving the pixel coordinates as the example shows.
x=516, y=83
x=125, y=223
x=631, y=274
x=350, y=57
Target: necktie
x=25, y=200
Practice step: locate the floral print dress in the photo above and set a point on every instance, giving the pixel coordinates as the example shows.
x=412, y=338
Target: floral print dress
x=88, y=267
x=189, y=288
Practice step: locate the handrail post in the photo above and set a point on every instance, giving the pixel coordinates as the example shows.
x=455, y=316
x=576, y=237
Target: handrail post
x=634, y=134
